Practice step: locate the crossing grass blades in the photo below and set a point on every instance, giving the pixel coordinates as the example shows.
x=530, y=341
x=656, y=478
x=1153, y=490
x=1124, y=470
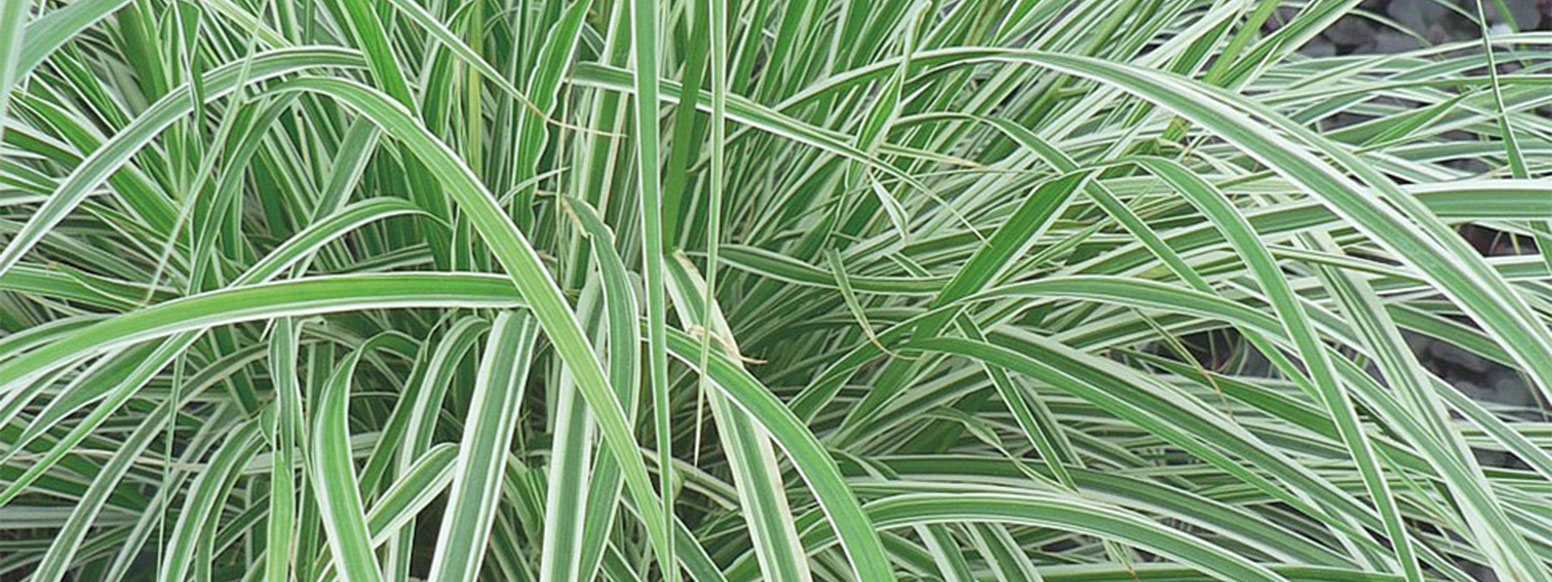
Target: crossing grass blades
x=962, y=290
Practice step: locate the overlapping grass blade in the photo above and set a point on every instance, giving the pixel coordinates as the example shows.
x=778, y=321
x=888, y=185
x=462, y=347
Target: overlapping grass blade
x=1064, y=291
x=482, y=461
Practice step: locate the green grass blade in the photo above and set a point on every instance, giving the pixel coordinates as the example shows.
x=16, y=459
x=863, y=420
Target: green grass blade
x=332, y=474
x=650, y=204
x=482, y=455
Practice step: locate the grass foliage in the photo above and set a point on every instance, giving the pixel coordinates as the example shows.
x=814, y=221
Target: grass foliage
x=963, y=290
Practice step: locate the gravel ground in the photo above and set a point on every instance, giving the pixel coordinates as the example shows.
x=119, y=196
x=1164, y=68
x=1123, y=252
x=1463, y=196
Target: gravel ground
x=1391, y=26
x=1400, y=25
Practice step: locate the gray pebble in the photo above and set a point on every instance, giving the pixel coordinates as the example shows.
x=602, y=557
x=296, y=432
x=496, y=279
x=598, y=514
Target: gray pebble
x=1417, y=14
x=1511, y=390
x=1390, y=42
x=1350, y=31
x=1318, y=48
x=1527, y=13
x=1457, y=357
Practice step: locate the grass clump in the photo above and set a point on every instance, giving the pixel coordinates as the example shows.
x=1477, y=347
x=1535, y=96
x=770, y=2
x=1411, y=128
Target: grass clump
x=890, y=290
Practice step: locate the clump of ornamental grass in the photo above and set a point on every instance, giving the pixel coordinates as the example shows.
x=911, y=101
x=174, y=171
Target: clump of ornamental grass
x=887, y=290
